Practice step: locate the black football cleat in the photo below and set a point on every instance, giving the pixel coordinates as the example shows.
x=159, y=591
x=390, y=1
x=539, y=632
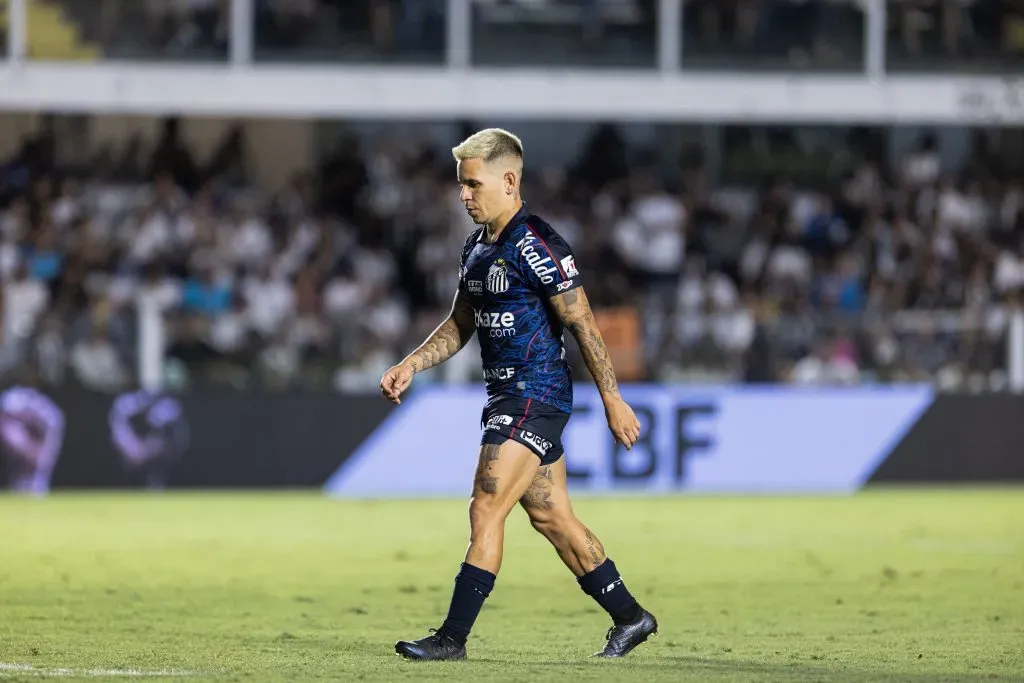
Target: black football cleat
x=435, y=647
x=622, y=638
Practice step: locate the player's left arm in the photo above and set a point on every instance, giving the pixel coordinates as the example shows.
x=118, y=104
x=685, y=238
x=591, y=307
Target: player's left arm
x=549, y=266
x=573, y=309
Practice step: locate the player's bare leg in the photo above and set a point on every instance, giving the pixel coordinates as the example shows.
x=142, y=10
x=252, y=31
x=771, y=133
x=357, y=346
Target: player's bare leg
x=503, y=475
x=547, y=503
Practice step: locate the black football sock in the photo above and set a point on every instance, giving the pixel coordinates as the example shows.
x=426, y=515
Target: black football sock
x=472, y=586
x=606, y=587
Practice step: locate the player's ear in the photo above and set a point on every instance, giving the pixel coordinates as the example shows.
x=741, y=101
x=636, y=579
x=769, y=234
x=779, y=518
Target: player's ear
x=511, y=182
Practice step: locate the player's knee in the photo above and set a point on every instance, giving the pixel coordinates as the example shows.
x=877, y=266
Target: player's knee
x=484, y=512
x=551, y=524
x=546, y=527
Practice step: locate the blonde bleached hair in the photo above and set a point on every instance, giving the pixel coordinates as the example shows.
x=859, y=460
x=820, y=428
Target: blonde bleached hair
x=489, y=145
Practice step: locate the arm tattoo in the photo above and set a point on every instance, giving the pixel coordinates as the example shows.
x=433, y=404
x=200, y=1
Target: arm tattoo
x=574, y=311
x=449, y=337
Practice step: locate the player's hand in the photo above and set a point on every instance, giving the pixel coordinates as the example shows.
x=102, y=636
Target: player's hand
x=395, y=381
x=622, y=421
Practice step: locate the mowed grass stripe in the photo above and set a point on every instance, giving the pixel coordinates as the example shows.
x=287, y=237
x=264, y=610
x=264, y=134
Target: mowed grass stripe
x=917, y=585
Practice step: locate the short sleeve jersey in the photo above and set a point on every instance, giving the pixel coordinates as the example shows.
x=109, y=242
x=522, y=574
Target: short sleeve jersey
x=509, y=283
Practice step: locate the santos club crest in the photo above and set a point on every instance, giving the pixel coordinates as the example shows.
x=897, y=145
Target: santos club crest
x=497, y=277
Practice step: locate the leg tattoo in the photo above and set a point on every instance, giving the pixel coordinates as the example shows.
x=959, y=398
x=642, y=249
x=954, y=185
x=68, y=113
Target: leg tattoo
x=594, y=547
x=538, y=496
x=484, y=481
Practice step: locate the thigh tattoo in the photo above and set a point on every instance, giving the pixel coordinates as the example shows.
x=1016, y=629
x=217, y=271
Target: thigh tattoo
x=538, y=496
x=484, y=480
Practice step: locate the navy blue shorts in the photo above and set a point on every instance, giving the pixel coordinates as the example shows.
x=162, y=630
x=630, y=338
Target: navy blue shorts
x=536, y=425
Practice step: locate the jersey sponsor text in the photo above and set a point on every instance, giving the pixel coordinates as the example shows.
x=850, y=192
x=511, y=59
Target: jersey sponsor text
x=500, y=374
x=539, y=262
x=498, y=324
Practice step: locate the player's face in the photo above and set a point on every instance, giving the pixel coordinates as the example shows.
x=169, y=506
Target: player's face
x=485, y=190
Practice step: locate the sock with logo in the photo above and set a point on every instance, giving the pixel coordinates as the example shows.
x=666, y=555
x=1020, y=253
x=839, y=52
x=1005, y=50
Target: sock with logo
x=606, y=587
x=472, y=586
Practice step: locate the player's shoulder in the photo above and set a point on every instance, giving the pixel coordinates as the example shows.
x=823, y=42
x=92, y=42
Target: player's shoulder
x=471, y=239
x=534, y=227
x=534, y=234
x=474, y=236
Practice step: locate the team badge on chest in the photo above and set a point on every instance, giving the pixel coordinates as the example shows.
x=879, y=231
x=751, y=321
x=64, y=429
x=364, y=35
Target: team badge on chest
x=497, y=277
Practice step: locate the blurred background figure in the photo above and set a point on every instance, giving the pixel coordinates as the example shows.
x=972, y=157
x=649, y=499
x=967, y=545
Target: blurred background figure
x=31, y=436
x=150, y=432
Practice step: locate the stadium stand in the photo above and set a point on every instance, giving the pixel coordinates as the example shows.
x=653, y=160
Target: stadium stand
x=814, y=253
x=755, y=34
x=888, y=268
x=52, y=34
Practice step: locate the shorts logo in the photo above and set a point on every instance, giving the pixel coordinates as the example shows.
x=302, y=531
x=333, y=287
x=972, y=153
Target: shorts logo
x=475, y=286
x=491, y=374
x=541, y=445
x=537, y=260
x=562, y=286
x=497, y=277
x=496, y=422
x=569, y=266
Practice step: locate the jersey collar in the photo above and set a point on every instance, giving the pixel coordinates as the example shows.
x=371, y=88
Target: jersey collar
x=504, y=235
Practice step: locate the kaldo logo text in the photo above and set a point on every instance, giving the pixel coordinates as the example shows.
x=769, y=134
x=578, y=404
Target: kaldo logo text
x=536, y=260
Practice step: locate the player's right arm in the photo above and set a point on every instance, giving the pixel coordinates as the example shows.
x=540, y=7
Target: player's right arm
x=443, y=343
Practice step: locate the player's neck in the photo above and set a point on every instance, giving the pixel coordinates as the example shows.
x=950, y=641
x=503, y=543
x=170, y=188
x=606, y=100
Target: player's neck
x=495, y=228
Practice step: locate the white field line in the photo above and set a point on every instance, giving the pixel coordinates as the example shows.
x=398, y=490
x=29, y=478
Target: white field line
x=28, y=670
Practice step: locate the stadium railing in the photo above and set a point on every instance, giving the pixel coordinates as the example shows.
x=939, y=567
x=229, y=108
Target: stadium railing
x=673, y=54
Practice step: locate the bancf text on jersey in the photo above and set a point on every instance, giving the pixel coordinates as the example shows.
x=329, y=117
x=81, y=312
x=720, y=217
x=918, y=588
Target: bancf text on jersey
x=509, y=283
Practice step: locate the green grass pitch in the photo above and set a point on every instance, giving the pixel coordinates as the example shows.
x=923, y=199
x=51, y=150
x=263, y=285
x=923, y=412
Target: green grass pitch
x=908, y=586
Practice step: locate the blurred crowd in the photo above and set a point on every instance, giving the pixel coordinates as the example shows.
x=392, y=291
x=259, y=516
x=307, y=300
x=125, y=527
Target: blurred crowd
x=830, y=32
x=887, y=272
x=824, y=34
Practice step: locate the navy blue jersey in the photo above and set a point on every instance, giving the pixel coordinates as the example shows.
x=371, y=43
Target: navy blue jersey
x=509, y=284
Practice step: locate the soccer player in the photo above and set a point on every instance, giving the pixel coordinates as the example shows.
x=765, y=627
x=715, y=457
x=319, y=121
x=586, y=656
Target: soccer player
x=519, y=288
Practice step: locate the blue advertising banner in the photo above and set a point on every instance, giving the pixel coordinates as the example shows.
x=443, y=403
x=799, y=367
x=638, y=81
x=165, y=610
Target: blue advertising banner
x=699, y=439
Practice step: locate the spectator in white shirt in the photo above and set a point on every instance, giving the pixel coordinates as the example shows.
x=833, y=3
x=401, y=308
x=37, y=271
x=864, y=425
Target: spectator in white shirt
x=923, y=166
x=148, y=235
x=269, y=300
x=248, y=241
x=651, y=239
x=25, y=299
x=228, y=333
x=96, y=363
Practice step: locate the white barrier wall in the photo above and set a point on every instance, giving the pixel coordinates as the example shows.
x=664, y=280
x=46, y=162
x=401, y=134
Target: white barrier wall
x=714, y=439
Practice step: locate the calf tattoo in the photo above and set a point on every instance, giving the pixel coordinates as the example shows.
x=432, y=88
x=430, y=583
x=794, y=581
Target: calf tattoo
x=594, y=547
